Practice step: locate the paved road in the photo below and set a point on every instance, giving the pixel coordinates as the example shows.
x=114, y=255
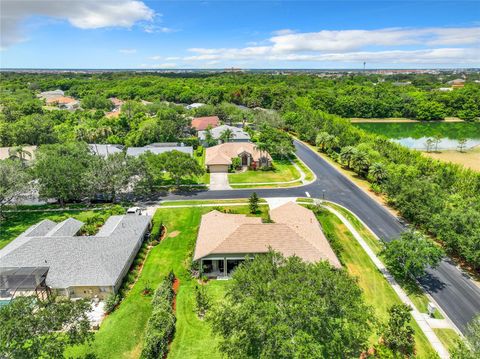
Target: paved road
x=452, y=290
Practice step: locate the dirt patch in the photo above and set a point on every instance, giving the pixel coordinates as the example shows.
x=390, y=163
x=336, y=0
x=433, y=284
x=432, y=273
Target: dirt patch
x=174, y=234
x=469, y=159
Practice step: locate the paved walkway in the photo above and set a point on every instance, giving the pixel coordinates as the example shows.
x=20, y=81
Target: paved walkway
x=278, y=201
x=219, y=181
x=422, y=320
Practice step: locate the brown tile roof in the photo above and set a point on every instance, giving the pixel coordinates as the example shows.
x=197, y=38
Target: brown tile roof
x=296, y=231
x=60, y=100
x=223, y=154
x=116, y=101
x=202, y=123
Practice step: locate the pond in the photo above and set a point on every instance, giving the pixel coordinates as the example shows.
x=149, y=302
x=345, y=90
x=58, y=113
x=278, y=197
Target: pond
x=415, y=134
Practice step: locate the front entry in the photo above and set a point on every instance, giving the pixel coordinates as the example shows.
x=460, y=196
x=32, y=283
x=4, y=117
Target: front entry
x=244, y=160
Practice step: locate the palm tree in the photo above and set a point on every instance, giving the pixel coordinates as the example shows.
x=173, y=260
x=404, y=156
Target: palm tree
x=227, y=135
x=437, y=139
x=462, y=143
x=262, y=147
x=346, y=155
x=20, y=153
x=428, y=144
x=322, y=139
x=360, y=162
x=377, y=172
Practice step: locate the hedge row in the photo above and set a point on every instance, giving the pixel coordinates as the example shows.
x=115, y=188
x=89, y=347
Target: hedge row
x=161, y=325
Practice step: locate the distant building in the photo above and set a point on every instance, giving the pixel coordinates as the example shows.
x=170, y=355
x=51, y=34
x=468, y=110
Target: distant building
x=457, y=83
x=51, y=255
x=63, y=102
x=224, y=240
x=54, y=93
x=445, y=89
x=202, y=123
x=158, y=148
x=27, y=154
x=238, y=135
x=194, y=105
x=105, y=150
x=219, y=158
x=116, y=102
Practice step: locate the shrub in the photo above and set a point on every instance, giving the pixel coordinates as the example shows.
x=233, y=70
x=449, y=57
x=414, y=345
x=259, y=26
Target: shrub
x=161, y=324
x=111, y=302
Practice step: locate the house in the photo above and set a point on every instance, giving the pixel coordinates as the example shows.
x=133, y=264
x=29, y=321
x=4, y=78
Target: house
x=48, y=94
x=238, y=135
x=27, y=153
x=157, y=148
x=64, y=102
x=457, y=83
x=219, y=158
x=117, y=103
x=225, y=240
x=202, y=123
x=71, y=265
x=105, y=150
x=445, y=89
x=194, y=105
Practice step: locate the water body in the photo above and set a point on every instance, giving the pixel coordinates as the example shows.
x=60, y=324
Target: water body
x=415, y=134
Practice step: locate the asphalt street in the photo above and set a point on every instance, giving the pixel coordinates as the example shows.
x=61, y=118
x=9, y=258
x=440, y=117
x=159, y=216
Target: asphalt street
x=458, y=296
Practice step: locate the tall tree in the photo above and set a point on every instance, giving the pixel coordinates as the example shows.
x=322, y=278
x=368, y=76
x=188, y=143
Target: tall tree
x=227, y=135
x=267, y=314
x=62, y=171
x=253, y=203
x=411, y=254
x=42, y=329
x=14, y=181
x=397, y=334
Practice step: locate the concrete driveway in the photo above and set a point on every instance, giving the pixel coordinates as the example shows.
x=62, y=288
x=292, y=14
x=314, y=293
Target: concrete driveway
x=219, y=181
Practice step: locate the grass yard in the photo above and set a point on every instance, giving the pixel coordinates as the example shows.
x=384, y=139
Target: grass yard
x=414, y=292
x=121, y=334
x=309, y=176
x=448, y=337
x=378, y=292
x=18, y=222
x=206, y=201
x=284, y=171
x=273, y=185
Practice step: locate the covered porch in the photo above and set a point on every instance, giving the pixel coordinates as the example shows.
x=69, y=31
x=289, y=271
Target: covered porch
x=219, y=267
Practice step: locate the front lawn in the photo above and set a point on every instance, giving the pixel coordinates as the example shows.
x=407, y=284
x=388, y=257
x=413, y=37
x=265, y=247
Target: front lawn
x=378, y=292
x=121, y=334
x=283, y=171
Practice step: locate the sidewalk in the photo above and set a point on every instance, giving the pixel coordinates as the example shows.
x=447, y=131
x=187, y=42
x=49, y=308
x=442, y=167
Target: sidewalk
x=426, y=324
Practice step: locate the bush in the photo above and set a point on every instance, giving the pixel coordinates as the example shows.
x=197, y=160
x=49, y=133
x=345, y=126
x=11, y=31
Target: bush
x=111, y=302
x=161, y=324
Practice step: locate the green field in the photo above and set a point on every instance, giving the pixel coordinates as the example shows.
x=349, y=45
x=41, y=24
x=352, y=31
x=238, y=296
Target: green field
x=284, y=171
x=378, y=292
x=451, y=130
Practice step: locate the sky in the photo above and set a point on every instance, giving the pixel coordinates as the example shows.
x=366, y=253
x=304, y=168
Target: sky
x=134, y=34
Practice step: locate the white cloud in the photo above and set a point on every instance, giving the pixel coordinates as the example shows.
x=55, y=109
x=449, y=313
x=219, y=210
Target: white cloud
x=155, y=57
x=165, y=65
x=127, y=51
x=151, y=29
x=383, y=46
x=83, y=14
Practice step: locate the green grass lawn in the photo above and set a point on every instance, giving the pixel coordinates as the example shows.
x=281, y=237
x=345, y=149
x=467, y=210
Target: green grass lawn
x=121, y=334
x=284, y=171
x=378, y=292
x=308, y=174
x=207, y=201
x=413, y=290
x=18, y=222
x=447, y=336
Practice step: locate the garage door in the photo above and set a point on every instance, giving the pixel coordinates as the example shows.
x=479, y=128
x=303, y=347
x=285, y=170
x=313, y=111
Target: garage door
x=218, y=168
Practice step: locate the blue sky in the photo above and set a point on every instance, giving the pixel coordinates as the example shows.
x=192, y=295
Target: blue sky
x=246, y=34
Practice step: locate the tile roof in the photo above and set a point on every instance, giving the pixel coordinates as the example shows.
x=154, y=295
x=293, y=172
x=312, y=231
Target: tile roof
x=98, y=260
x=202, y=123
x=60, y=100
x=296, y=231
x=238, y=133
x=223, y=154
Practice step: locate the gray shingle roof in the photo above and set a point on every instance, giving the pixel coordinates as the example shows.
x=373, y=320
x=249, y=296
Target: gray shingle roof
x=105, y=150
x=97, y=260
x=238, y=133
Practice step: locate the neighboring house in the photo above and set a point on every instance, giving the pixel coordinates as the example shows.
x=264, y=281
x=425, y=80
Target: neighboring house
x=51, y=256
x=9, y=152
x=202, y=123
x=219, y=158
x=117, y=103
x=238, y=135
x=457, y=83
x=105, y=150
x=50, y=94
x=194, y=105
x=445, y=89
x=225, y=240
x=63, y=102
x=157, y=148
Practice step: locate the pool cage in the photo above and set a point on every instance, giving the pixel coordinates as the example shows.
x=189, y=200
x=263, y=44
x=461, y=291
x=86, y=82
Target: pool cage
x=23, y=281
